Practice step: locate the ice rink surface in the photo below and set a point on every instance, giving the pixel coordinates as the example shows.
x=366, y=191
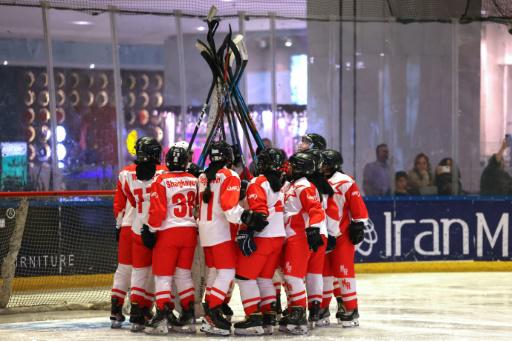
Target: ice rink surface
x=411, y=306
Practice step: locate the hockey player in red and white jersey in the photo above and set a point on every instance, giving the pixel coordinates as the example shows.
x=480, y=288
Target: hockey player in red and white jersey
x=172, y=234
x=261, y=249
x=138, y=186
x=304, y=221
x=123, y=211
x=315, y=280
x=219, y=189
x=354, y=217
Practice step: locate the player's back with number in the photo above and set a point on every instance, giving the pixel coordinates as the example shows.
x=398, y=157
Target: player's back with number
x=139, y=192
x=173, y=198
x=222, y=208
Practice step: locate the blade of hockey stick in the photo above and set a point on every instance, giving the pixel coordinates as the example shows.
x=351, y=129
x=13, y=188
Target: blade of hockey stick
x=212, y=13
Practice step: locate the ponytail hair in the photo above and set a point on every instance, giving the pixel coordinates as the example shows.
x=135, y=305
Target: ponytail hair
x=321, y=184
x=275, y=179
x=210, y=173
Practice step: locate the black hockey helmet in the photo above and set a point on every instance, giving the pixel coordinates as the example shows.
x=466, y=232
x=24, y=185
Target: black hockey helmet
x=317, y=156
x=270, y=159
x=302, y=164
x=221, y=151
x=332, y=159
x=176, y=158
x=147, y=149
x=315, y=141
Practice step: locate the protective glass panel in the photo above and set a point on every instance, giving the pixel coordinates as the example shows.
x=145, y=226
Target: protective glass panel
x=25, y=134
x=85, y=99
x=148, y=63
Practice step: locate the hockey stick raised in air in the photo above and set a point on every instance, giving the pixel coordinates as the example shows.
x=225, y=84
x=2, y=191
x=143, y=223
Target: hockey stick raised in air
x=206, y=102
x=227, y=64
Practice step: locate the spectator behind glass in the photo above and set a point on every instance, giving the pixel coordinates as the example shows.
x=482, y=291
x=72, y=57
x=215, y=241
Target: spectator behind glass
x=421, y=180
x=443, y=179
x=401, y=183
x=495, y=180
x=268, y=144
x=377, y=174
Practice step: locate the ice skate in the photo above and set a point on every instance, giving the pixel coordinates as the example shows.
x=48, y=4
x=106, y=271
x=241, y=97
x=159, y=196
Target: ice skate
x=348, y=319
x=296, y=322
x=341, y=306
x=252, y=325
x=279, y=308
x=269, y=322
x=214, y=323
x=116, y=313
x=314, y=313
x=136, y=318
x=186, y=322
x=147, y=312
x=227, y=311
x=324, y=318
x=282, y=323
x=158, y=325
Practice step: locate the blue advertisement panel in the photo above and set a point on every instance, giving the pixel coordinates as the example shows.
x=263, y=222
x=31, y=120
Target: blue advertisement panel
x=437, y=228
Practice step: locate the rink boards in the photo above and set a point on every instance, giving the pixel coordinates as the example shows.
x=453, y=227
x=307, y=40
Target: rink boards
x=411, y=234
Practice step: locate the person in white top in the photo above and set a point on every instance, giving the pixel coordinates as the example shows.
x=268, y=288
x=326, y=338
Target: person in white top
x=138, y=188
x=124, y=212
x=172, y=234
x=261, y=249
x=219, y=193
x=305, y=242
x=315, y=279
x=354, y=222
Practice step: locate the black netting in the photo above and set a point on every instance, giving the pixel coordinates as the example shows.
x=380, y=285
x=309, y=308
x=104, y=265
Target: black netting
x=68, y=250
x=401, y=10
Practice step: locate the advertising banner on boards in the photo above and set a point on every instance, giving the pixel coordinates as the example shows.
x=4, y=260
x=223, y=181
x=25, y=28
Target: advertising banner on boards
x=437, y=228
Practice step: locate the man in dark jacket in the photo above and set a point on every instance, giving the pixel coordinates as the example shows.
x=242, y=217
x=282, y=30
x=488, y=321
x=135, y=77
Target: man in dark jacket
x=495, y=180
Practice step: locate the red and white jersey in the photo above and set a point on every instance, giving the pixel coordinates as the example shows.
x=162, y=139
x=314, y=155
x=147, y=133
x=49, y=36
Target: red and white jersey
x=139, y=195
x=222, y=209
x=172, y=203
x=261, y=198
x=123, y=210
x=351, y=205
x=332, y=216
x=302, y=208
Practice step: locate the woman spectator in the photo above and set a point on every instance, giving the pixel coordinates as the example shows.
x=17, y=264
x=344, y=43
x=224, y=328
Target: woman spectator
x=420, y=177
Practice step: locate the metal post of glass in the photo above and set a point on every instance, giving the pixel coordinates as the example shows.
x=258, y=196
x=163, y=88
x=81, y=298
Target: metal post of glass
x=51, y=88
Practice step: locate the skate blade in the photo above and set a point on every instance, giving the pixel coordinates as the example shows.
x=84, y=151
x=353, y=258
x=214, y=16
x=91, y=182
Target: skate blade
x=218, y=331
x=116, y=324
x=349, y=324
x=158, y=330
x=135, y=327
x=249, y=331
x=188, y=329
x=211, y=330
x=268, y=330
x=297, y=330
x=323, y=322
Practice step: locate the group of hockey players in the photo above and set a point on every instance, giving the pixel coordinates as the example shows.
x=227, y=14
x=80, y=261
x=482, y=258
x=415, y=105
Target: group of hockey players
x=294, y=224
